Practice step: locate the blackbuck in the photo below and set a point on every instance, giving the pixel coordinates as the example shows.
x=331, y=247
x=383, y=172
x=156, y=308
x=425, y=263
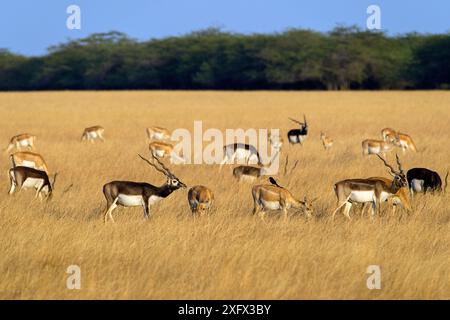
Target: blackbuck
x=298, y=135
x=375, y=191
x=158, y=133
x=422, y=180
x=30, y=178
x=241, y=152
x=379, y=147
x=163, y=149
x=131, y=194
x=327, y=142
x=30, y=159
x=21, y=141
x=93, y=133
x=274, y=197
x=388, y=134
x=200, y=200
x=405, y=142
x=251, y=173
x=401, y=197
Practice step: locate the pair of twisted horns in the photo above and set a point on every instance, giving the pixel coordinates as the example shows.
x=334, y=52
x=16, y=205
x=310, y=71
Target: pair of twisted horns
x=162, y=168
x=390, y=167
x=301, y=123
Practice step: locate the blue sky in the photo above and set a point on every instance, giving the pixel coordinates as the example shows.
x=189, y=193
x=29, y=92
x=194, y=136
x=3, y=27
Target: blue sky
x=30, y=27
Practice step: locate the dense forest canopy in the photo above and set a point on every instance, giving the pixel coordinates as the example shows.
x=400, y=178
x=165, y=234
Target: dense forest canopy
x=345, y=58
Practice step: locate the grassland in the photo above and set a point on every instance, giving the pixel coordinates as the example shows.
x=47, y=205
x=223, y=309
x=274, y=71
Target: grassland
x=229, y=254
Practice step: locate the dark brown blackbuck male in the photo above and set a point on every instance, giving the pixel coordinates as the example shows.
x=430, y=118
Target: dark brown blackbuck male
x=371, y=190
x=240, y=152
x=422, y=180
x=29, y=178
x=298, y=135
x=200, y=200
x=131, y=194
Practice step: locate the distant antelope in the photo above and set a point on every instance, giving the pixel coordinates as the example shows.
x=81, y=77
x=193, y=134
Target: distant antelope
x=326, y=141
x=405, y=142
x=24, y=140
x=240, y=151
x=130, y=194
x=369, y=190
x=93, y=133
x=30, y=178
x=298, y=135
x=162, y=149
x=371, y=146
x=276, y=141
x=158, y=133
x=30, y=159
x=200, y=199
x=400, y=197
x=424, y=180
x=388, y=134
x=274, y=197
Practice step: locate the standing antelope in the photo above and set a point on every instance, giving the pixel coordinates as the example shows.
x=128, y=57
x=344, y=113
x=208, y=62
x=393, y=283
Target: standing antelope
x=200, y=199
x=274, y=197
x=158, y=133
x=161, y=149
x=240, y=151
x=400, y=197
x=369, y=190
x=298, y=135
x=24, y=140
x=424, y=180
x=131, y=194
x=405, y=142
x=30, y=178
x=326, y=141
x=30, y=159
x=388, y=134
x=371, y=146
x=93, y=133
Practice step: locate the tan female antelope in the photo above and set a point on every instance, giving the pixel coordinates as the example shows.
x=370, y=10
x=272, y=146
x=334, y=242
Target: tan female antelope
x=326, y=141
x=369, y=190
x=200, y=199
x=405, y=142
x=276, y=141
x=131, y=194
x=30, y=159
x=388, y=134
x=158, y=133
x=162, y=149
x=24, y=140
x=274, y=197
x=93, y=133
x=371, y=146
x=251, y=173
x=400, y=197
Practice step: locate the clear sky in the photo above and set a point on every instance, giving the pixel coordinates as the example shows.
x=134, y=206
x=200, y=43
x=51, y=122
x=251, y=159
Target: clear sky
x=30, y=27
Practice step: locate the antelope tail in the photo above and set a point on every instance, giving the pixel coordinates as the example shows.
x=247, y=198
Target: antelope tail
x=446, y=181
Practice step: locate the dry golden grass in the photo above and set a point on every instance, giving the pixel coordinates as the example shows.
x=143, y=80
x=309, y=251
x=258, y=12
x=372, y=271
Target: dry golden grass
x=230, y=254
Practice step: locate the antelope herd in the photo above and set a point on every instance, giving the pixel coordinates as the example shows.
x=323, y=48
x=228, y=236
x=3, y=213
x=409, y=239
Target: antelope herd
x=29, y=170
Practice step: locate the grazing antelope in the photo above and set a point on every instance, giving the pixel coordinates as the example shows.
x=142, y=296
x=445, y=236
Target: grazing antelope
x=24, y=140
x=388, y=134
x=326, y=141
x=30, y=159
x=250, y=173
x=240, y=151
x=298, y=135
x=200, y=199
x=161, y=149
x=369, y=190
x=424, y=180
x=158, y=133
x=93, y=133
x=400, y=197
x=405, y=142
x=131, y=194
x=29, y=178
x=371, y=146
x=274, y=197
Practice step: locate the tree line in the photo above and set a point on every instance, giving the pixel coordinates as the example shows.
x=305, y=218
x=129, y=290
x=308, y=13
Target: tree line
x=344, y=58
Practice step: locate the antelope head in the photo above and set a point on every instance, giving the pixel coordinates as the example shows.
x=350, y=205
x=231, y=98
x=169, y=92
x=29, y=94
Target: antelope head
x=399, y=176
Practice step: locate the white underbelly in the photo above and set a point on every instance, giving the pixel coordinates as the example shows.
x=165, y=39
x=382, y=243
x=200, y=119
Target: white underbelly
x=29, y=164
x=272, y=205
x=158, y=136
x=417, y=185
x=159, y=153
x=374, y=150
x=362, y=196
x=92, y=135
x=130, y=201
x=153, y=200
x=32, y=183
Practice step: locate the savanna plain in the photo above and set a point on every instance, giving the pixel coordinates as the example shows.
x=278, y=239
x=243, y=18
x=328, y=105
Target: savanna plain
x=228, y=254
